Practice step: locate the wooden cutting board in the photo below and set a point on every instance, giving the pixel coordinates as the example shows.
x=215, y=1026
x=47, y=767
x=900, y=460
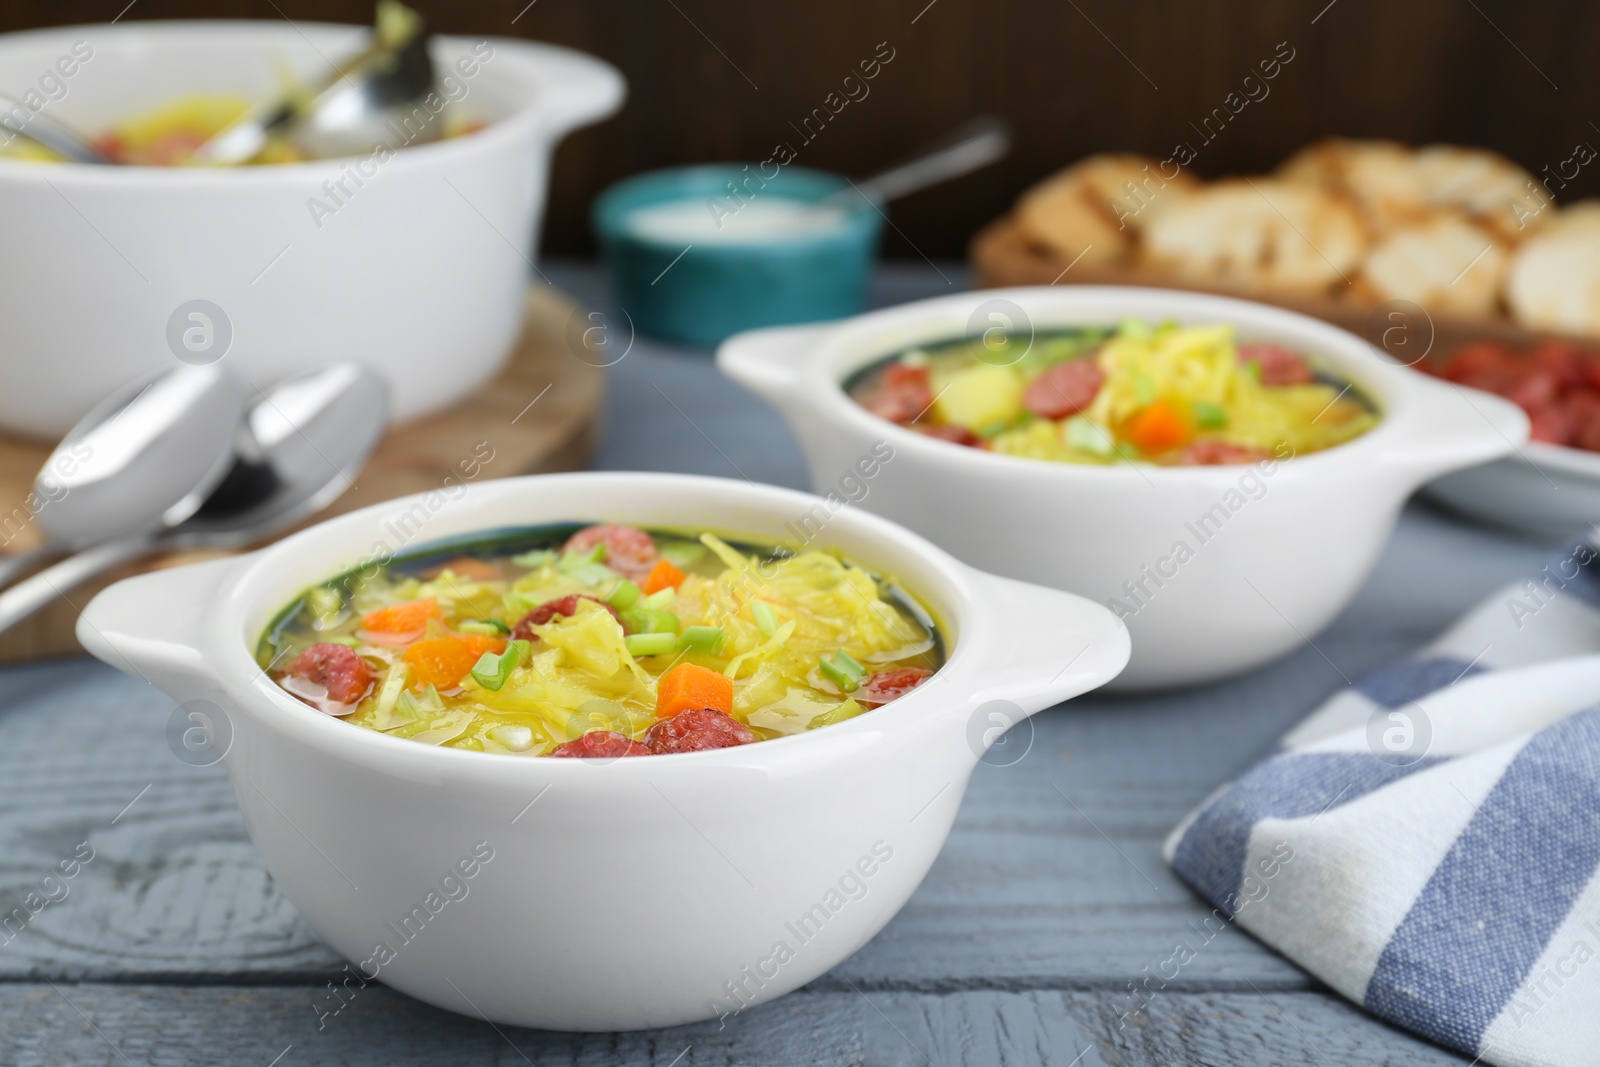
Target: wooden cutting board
x=1002, y=255
x=540, y=414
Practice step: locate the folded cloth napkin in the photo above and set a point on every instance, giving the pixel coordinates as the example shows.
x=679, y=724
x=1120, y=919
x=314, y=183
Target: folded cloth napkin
x=1428, y=841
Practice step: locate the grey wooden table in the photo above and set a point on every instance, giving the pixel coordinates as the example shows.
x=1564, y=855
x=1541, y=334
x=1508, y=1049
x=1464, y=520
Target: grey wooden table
x=172, y=945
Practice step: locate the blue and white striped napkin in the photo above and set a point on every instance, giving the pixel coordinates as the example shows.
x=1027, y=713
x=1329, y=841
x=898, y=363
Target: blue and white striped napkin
x=1428, y=841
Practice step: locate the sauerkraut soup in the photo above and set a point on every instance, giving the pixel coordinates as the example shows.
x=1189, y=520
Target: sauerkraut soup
x=1162, y=394
x=602, y=641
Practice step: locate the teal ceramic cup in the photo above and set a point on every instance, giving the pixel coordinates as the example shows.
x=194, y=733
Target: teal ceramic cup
x=710, y=277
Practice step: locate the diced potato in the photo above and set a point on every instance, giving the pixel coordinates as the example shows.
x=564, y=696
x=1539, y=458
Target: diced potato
x=980, y=396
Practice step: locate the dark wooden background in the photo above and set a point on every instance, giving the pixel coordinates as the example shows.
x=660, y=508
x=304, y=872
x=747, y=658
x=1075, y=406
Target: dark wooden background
x=723, y=79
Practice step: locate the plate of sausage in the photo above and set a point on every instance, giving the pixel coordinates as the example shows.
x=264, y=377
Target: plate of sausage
x=1551, y=485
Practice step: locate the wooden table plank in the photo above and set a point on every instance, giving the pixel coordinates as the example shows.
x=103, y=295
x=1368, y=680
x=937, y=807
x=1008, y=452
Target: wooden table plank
x=177, y=1026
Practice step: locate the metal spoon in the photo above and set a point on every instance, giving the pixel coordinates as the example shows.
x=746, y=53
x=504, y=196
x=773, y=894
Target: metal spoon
x=306, y=440
x=966, y=148
x=369, y=100
x=143, y=460
x=60, y=138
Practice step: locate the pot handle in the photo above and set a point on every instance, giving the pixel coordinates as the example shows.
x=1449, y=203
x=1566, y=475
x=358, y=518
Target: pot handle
x=1042, y=646
x=767, y=362
x=150, y=626
x=577, y=89
x=1455, y=427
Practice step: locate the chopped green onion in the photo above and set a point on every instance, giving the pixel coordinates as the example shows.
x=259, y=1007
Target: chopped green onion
x=842, y=670
x=655, y=644
x=624, y=595
x=766, y=618
x=993, y=429
x=341, y=639
x=493, y=671
x=485, y=627
x=701, y=638
x=539, y=557
x=1144, y=387
x=1211, y=416
x=849, y=709
x=1134, y=327
x=650, y=621
x=660, y=598
x=1252, y=370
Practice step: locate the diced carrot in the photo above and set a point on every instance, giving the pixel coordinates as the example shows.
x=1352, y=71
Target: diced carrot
x=662, y=576
x=1161, y=427
x=443, y=661
x=689, y=686
x=405, y=618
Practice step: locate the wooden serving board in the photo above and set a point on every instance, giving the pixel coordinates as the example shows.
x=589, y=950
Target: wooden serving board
x=1002, y=255
x=539, y=414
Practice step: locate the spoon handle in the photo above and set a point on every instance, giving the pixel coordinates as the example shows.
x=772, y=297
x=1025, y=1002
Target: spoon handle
x=59, y=579
x=13, y=566
x=973, y=145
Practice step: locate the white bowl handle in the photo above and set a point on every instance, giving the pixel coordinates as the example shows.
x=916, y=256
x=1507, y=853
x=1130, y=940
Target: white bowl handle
x=1043, y=646
x=768, y=362
x=152, y=626
x=1455, y=427
x=575, y=89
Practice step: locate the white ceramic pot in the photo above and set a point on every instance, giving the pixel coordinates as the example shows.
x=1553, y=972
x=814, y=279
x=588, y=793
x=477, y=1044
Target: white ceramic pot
x=1286, y=551
x=417, y=266
x=629, y=894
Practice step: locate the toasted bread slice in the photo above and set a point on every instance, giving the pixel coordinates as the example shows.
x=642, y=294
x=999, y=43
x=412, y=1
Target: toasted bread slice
x=1583, y=215
x=1444, y=263
x=1381, y=177
x=1488, y=187
x=1554, y=280
x=1257, y=233
x=1095, y=205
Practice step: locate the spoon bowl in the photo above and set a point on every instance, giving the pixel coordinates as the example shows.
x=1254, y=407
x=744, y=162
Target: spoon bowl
x=371, y=99
x=337, y=414
x=144, y=459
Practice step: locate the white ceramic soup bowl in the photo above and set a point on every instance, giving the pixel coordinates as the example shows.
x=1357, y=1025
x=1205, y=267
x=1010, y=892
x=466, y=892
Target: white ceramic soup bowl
x=415, y=262
x=616, y=895
x=1213, y=569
